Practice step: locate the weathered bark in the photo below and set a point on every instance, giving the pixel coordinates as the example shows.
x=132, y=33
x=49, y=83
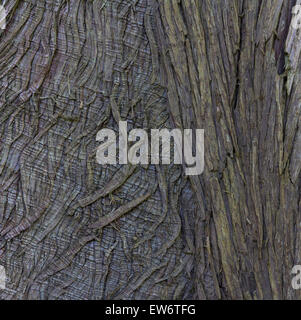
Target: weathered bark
x=72, y=229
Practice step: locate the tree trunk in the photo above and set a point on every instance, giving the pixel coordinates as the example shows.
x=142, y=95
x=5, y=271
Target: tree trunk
x=72, y=67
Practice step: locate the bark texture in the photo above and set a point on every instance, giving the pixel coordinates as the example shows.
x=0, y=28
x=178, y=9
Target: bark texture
x=72, y=229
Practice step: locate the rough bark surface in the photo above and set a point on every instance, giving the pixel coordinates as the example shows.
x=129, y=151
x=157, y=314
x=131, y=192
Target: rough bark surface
x=72, y=229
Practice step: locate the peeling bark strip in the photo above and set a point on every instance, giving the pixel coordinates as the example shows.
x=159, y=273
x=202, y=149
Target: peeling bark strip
x=69, y=69
x=104, y=221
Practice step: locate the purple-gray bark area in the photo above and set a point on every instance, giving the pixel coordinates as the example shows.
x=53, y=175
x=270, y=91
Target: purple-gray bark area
x=71, y=228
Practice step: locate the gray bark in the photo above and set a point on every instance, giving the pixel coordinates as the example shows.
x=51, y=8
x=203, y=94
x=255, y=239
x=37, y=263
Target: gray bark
x=70, y=68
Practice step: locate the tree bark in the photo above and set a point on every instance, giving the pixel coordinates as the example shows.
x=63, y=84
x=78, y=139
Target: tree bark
x=72, y=67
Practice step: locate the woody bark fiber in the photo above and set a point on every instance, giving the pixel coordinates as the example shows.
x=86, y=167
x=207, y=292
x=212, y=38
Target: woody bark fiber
x=73, y=229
